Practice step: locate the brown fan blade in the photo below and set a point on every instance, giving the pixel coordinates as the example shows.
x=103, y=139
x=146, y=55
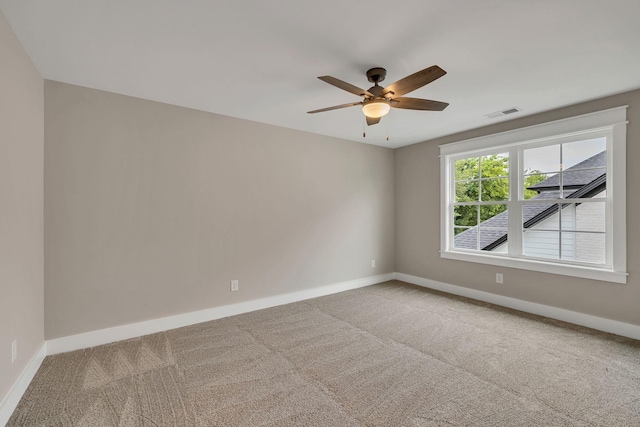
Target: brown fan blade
x=372, y=121
x=418, y=104
x=351, y=104
x=414, y=81
x=346, y=86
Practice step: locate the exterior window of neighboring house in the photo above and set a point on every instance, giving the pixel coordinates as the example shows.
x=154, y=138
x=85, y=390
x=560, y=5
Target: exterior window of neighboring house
x=547, y=198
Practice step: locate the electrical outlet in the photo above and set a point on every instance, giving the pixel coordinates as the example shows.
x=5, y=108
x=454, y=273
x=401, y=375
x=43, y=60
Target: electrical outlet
x=14, y=350
x=234, y=286
x=499, y=278
x=373, y=263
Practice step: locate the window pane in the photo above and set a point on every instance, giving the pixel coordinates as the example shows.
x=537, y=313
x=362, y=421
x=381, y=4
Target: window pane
x=590, y=247
x=541, y=244
x=490, y=238
x=467, y=168
x=543, y=159
x=568, y=216
x=540, y=216
x=574, y=180
x=496, y=165
x=467, y=191
x=542, y=183
x=590, y=217
x=568, y=246
x=574, y=153
x=495, y=189
x=493, y=226
x=494, y=216
x=467, y=239
x=534, y=184
x=465, y=216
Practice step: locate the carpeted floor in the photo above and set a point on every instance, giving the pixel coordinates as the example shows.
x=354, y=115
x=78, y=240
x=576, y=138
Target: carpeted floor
x=386, y=355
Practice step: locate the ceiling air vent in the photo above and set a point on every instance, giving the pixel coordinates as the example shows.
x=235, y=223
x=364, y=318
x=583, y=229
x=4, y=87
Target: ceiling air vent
x=503, y=112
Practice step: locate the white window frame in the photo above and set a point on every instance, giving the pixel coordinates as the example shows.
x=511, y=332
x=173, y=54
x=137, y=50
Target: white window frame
x=611, y=123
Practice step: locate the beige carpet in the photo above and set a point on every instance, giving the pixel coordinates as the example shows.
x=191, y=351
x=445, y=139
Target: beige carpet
x=386, y=355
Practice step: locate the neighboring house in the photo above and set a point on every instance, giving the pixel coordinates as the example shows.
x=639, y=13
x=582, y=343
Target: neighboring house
x=542, y=235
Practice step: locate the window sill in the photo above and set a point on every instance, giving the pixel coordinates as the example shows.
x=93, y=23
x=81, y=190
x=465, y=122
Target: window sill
x=540, y=266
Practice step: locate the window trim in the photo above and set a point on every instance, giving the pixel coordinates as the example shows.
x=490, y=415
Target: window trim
x=612, y=122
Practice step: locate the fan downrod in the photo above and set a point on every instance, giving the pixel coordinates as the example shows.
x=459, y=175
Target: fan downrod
x=376, y=75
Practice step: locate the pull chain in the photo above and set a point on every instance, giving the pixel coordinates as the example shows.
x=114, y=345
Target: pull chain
x=364, y=123
x=364, y=126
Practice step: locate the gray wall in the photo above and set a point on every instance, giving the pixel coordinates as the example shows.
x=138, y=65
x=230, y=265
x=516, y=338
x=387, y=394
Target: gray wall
x=417, y=192
x=21, y=245
x=151, y=209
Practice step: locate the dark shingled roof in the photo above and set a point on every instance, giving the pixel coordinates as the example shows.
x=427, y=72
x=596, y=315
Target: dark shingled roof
x=494, y=230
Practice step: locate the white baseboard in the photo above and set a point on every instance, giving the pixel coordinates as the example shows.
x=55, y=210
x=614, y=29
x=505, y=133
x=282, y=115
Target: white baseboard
x=11, y=400
x=134, y=330
x=594, y=322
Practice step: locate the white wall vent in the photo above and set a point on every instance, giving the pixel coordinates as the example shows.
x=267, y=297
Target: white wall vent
x=508, y=111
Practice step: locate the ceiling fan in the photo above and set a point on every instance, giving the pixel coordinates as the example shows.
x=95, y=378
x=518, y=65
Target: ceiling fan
x=378, y=100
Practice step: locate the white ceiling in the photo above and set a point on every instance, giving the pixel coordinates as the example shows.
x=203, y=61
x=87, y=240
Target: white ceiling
x=258, y=60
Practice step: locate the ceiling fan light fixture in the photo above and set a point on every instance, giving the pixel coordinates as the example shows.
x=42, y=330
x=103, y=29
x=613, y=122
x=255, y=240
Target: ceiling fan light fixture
x=376, y=108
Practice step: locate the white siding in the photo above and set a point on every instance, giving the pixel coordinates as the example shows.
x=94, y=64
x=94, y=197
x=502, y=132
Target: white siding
x=546, y=244
x=590, y=246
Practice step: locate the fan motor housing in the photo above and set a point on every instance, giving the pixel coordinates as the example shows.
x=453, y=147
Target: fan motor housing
x=376, y=75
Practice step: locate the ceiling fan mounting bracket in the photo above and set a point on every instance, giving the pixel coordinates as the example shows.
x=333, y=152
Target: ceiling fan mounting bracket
x=376, y=75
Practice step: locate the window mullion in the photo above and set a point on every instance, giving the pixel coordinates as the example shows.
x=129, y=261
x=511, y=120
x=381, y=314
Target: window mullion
x=514, y=205
x=449, y=196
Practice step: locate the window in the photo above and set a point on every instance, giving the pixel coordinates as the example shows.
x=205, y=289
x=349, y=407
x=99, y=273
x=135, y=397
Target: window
x=548, y=198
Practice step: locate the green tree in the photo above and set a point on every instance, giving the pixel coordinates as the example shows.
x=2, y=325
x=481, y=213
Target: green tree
x=486, y=178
